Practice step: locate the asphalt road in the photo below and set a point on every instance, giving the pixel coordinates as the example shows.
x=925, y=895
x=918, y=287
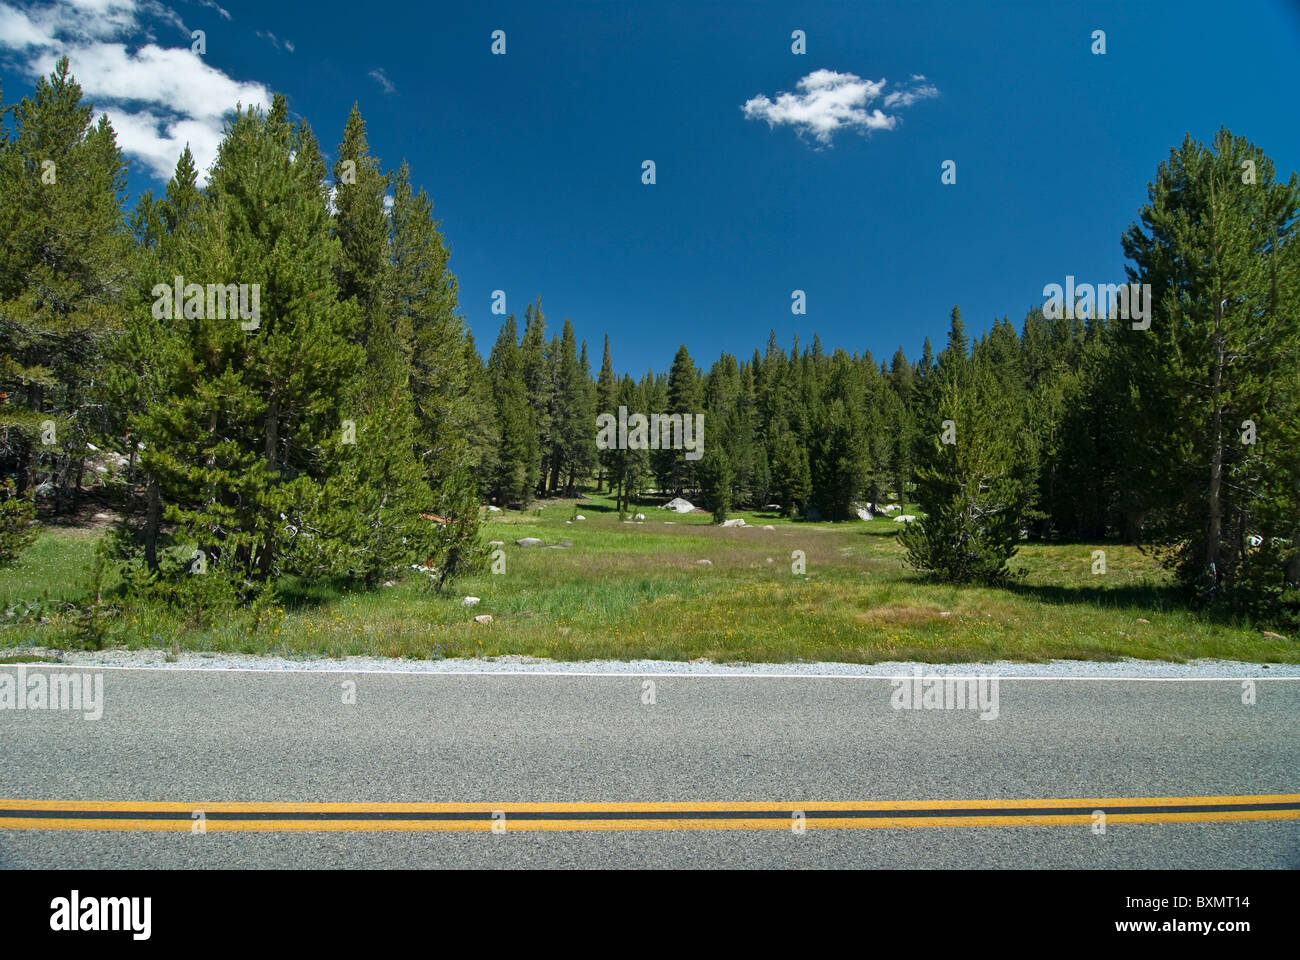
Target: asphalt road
x=199, y=737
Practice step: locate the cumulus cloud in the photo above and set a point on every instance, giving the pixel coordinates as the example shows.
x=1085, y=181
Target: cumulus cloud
x=381, y=78
x=826, y=102
x=158, y=98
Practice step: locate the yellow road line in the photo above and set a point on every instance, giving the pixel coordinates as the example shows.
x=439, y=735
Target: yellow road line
x=478, y=816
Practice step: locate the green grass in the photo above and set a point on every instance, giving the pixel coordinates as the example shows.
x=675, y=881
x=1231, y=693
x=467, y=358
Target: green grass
x=632, y=591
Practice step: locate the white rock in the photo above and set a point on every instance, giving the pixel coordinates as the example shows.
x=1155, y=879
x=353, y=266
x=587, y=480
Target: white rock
x=579, y=517
x=705, y=563
x=679, y=505
x=528, y=542
x=496, y=543
x=569, y=522
x=738, y=522
x=494, y=509
x=469, y=602
x=905, y=518
x=772, y=506
x=863, y=511
x=671, y=522
x=483, y=618
x=768, y=526
x=639, y=516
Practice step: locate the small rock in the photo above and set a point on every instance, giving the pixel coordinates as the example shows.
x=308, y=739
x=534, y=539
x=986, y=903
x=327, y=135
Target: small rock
x=670, y=521
x=496, y=543
x=769, y=560
x=738, y=522
x=768, y=526
x=639, y=516
x=579, y=517
x=772, y=506
x=1275, y=636
x=705, y=563
x=945, y=613
x=569, y=522
x=483, y=618
x=905, y=518
x=470, y=602
x=1143, y=620
x=389, y=583
x=528, y=542
x=494, y=509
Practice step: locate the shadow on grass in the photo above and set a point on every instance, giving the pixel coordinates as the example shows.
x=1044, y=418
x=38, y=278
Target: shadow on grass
x=1145, y=596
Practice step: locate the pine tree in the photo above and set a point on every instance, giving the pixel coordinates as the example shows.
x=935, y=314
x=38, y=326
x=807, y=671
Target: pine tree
x=606, y=402
x=716, y=477
x=64, y=262
x=252, y=428
x=538, y=388
x=1220, y=351
x=791, y=477
x=976, y=490
x=515, y=479
x=685, y=397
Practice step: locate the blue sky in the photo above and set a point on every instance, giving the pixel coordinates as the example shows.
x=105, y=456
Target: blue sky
x=534, y=158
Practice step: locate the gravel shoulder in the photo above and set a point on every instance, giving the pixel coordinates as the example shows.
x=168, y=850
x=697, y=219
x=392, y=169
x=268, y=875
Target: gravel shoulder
x=517, y=665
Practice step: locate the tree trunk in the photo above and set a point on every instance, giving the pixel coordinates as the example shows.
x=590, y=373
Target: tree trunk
x=153, y=519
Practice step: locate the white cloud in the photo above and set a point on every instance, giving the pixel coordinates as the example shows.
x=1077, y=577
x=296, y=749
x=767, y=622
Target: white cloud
x=288, y=45
x=212, y=5
x=827, y=102
x=158, y=98
x=381, y=78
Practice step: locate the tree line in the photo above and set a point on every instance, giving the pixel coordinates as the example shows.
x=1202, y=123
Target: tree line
x=357, y=428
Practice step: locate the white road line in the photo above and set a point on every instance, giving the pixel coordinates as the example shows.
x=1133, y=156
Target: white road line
x=74, y=665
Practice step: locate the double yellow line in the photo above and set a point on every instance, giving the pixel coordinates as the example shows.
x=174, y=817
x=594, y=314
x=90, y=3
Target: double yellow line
x=242, y=816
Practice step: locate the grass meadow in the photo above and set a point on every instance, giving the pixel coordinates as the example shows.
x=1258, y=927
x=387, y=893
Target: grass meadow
x=635, y=590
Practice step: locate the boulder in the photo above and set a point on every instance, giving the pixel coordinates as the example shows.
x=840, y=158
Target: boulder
x=772, y=506
x=469, y=602
x=679, y=505
x=494, y=509
x=768, y=526
x=862, y=510
x=483, y=618
x=528, y=542
x=704, y=563
x=905, y=518
x=738, y=522
x=579, y=517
